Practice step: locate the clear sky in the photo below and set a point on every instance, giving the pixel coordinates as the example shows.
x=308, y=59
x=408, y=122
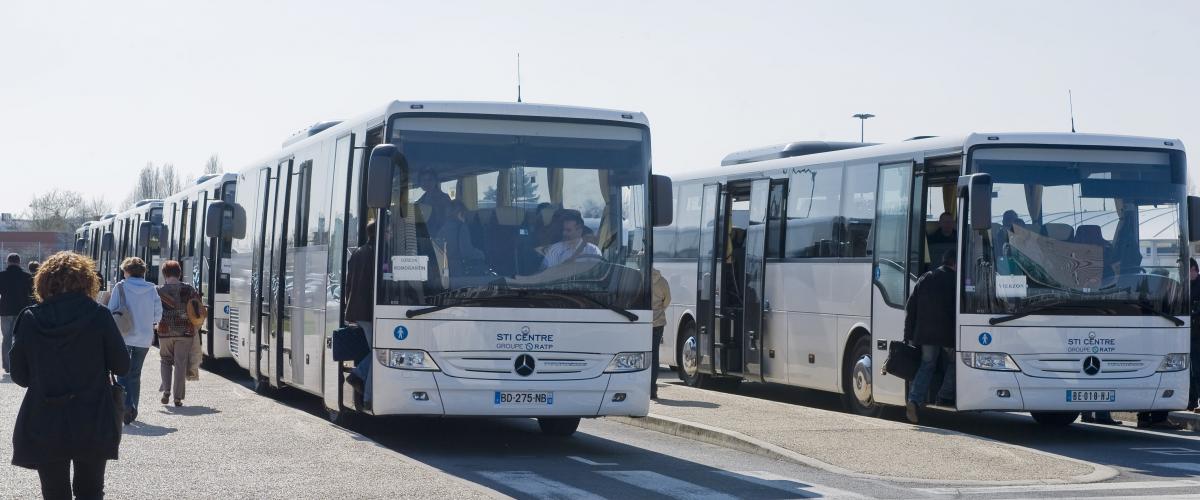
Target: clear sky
x=91, y=91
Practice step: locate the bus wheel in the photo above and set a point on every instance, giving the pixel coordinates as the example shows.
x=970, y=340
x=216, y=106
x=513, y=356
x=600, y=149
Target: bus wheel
x=688, y=354
x=561, y=427
x=857, y=389
x=1055, y=418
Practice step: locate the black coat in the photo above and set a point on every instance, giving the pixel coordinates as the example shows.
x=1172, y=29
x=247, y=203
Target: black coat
x=16, y=287
x=62, y=352
x=929, y=314
x=360, y=284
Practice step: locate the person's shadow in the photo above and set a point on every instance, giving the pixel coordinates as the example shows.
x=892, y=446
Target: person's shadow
x=139, y=428
x=190, y=411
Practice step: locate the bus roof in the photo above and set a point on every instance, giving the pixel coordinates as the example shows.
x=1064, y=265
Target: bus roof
x=934, y=145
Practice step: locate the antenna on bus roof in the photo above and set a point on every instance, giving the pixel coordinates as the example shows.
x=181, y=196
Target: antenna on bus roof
x=518, y=77
x=1071, y=103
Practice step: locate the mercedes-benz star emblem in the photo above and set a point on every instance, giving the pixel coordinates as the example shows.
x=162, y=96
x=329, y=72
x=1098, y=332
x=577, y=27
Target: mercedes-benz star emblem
x=524, y=365
x=1091, y=365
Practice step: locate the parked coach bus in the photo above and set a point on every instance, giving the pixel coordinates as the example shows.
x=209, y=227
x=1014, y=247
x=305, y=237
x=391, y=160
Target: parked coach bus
x=794, y=268
x=484, y=320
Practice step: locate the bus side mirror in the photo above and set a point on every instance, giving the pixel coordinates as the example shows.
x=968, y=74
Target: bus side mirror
x=106, y=242
x=977, y=189
x=1193, y=206
x=214, y=220
x=386, y=161
x=662, y=203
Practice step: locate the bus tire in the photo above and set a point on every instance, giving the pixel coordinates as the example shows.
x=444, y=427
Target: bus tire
x=687, y=355
x=1054, y=418
x=857, y=388
x=555, y=426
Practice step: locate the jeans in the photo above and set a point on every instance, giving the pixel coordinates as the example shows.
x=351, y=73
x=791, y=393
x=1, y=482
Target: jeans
x=6, y=329
x=930, y=355
x=56, y=479
x=363, y=367
x=658, y=333
x=132, y=381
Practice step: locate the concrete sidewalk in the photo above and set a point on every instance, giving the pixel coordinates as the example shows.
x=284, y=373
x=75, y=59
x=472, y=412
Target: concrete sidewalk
x=854, y=445
x=227, y=442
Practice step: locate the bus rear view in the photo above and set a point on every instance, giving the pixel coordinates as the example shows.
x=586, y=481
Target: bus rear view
x=1074, y=277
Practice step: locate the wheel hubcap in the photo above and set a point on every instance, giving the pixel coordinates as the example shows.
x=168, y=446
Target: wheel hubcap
x=691, y=354
x=861, y=378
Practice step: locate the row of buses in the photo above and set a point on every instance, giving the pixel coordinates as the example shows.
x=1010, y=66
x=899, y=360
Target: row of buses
x=478, y=320
x=788, y=264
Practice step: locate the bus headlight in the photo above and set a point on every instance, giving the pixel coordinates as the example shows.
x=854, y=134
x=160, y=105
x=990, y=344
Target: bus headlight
x=1176, y=362
x=406, y=359
x=627, y=362
x=995, y=361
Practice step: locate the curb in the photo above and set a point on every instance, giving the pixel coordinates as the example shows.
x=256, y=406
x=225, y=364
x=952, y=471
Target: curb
x=741, y=442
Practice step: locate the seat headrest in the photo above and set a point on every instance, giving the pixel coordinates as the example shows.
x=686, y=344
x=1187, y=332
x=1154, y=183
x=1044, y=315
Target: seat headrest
x=1089, y=234
x=1059, y=231
x=510, y=216
x=547, y=213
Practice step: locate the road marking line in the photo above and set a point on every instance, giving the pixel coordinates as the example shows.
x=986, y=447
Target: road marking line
x=666, y=485
x=1184, y=496
x=589, y=462
x=784, y=483
x=1130, y=485
x=1187, y=466
x=532, y=485
x=1169, y=451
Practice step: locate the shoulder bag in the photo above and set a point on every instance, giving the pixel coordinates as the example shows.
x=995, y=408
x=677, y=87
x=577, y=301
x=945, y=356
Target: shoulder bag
x=123, y=316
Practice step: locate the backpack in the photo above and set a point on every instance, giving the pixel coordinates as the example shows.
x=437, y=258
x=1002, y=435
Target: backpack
x=123, y=316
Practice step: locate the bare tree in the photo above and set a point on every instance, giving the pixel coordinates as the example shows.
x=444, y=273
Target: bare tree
x=154, y=183
x=169, y=180
x=56, y=210
x=213, y=166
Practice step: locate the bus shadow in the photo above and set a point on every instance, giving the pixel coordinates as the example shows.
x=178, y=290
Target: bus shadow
x=682, y=403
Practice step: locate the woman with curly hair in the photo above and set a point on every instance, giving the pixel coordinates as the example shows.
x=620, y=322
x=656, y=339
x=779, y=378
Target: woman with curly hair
x=63, y=351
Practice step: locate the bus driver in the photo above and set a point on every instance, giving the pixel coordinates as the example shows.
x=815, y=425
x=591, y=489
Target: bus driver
x=572, y=246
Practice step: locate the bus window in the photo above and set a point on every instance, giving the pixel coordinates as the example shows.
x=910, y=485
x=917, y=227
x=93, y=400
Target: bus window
x=687, y=241
x=858, y=209
x=814, y=213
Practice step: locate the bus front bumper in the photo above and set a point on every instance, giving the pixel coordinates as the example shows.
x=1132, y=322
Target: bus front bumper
x=1016, y=391
x=408, y=392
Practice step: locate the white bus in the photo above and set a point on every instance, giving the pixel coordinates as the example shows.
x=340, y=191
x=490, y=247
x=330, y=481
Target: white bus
x=497, y=334
x=136, y=233
x=205, y=261
x=794, y=268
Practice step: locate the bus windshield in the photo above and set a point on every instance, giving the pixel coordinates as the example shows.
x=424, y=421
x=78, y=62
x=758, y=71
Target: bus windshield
x=1079, y=231
x=505, y=213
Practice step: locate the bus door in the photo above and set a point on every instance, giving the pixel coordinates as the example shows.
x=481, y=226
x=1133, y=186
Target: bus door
x=753, y=303
x=278, y=284
x=891, y=281
x=708, y=280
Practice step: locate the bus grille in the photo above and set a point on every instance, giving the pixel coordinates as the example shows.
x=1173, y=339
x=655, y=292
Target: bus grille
x=233, y=330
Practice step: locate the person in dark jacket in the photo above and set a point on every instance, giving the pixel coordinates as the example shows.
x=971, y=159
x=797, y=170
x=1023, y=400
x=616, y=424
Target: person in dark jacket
x=1194, y=391
x=16, y=288
x=64, y=349
x=360, y=309
x=929, y=323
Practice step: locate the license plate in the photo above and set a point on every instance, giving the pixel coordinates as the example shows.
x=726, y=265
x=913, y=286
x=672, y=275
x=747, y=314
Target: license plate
x=1091, y=396
x=522, y=398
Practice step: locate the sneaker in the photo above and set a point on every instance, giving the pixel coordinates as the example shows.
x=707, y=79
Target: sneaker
x=166, y=398
x=178, y=402
x=910, y=411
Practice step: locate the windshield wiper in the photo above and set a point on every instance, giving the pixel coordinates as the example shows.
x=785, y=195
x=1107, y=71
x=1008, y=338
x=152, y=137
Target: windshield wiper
x=1145, y=307
x=412, y=313
x=619, y=310
x=1032, y=310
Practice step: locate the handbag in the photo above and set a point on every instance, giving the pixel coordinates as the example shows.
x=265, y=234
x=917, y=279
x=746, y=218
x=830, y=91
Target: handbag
x=349, y=343
x=903, y=360
x=118, y=396
x=123, y=316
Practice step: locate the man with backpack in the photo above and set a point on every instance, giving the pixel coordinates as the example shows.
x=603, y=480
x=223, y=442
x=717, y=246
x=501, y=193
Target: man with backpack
x=16, y=288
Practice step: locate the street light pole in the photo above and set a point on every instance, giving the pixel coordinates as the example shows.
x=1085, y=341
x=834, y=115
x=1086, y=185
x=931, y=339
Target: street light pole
x=862, y=120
